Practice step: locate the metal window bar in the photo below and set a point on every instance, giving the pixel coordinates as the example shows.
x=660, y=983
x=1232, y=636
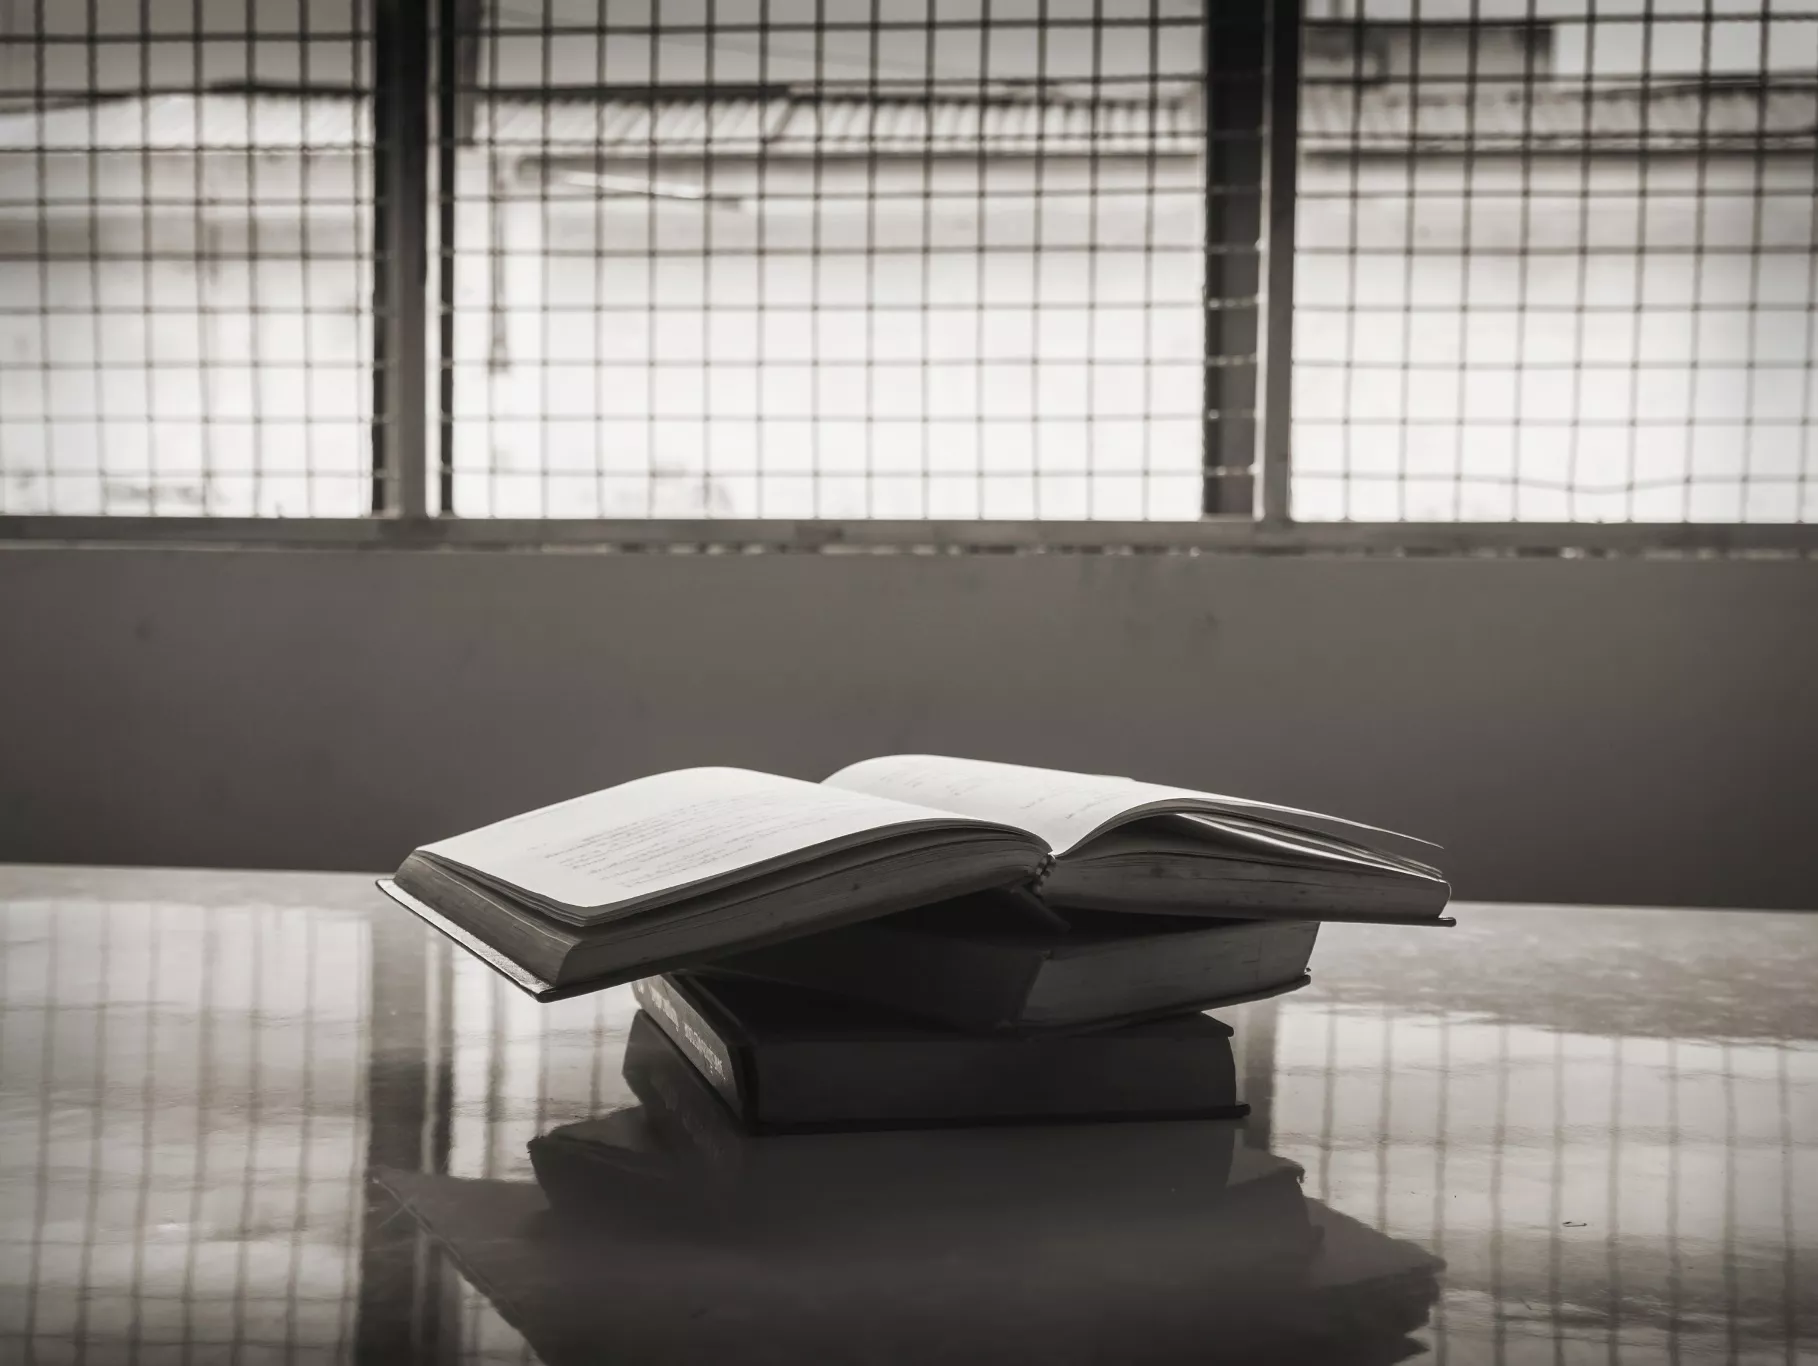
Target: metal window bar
x=401, y=59
x=1237, y=51
x=809, y=276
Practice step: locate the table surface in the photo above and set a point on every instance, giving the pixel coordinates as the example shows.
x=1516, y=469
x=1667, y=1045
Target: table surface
x=1603, y=1122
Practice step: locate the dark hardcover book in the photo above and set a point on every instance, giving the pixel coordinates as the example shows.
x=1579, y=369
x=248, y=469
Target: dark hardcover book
x=783, y=1059
x=1152, y=1287
x=985, y=963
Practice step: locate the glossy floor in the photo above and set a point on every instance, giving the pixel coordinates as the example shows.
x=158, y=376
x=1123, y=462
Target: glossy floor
x=1604, y=1122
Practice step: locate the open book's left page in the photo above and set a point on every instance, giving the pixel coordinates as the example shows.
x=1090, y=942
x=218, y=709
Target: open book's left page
x=629, y=847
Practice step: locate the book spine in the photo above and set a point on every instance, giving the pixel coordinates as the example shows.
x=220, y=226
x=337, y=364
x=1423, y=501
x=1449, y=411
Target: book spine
x=1041, y=875
x=699, y=1041
x=685, y=1114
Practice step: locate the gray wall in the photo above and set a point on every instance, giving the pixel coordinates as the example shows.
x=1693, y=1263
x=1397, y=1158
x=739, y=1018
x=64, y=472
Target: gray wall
x=1571, y=730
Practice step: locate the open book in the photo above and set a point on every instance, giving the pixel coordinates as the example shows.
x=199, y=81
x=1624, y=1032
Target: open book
x=680, y=867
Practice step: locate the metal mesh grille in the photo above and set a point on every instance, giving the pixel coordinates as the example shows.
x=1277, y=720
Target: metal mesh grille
x=802, y=260
x=789, y=259
x=185, y=266
x=1556, y=262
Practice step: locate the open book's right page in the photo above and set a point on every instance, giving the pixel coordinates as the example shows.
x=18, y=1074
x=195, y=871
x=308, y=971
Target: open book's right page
x=1064, y=809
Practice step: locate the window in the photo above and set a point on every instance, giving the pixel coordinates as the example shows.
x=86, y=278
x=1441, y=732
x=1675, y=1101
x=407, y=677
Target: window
x=1106, y=262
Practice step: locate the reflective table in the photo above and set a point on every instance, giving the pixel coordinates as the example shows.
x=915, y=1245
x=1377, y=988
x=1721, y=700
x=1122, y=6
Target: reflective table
x=270, y=1117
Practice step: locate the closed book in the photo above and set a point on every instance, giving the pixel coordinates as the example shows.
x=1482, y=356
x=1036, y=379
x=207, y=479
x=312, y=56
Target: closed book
x=985, y=963
x=782, y=1059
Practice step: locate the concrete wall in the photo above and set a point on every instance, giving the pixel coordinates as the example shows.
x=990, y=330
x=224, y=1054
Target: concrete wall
x=1623, y=731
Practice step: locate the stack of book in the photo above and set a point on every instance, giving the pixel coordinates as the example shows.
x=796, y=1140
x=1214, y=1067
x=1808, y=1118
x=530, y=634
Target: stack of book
x=920, y=939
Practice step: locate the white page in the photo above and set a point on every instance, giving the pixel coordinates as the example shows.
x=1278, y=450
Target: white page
x=641, y=839
x=1307, y=844
x=1063, y=808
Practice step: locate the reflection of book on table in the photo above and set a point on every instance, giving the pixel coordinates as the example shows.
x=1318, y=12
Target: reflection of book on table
x=685, y=866
x=885, y=1255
